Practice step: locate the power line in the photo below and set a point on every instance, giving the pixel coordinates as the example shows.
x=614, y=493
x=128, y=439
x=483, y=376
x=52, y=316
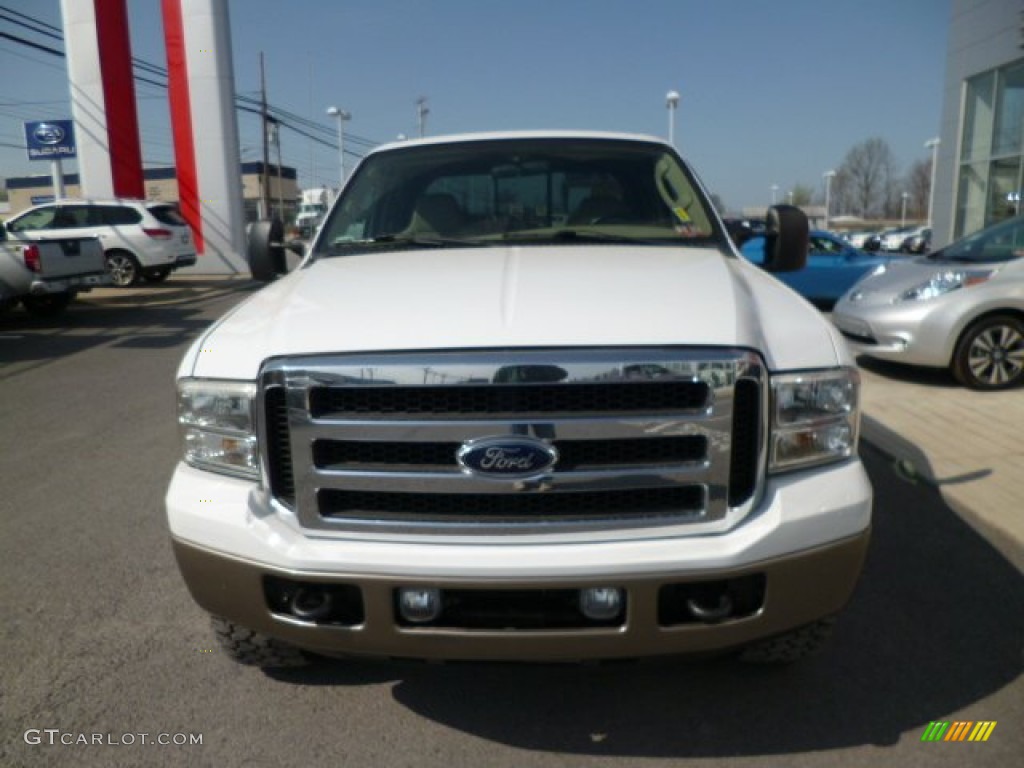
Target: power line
x=30, y=44
x=301, y=125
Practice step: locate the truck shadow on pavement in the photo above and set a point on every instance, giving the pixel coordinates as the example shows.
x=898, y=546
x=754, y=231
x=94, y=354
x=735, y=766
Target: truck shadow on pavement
x=934, y=626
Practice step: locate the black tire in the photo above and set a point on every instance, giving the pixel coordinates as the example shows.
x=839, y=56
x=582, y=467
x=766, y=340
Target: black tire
x=50, y=305
x=787, y=239
x=266, y=250
x=790, y=646
x=123, y=268
x=990, y=353
x=253, y=649
x=156, y=275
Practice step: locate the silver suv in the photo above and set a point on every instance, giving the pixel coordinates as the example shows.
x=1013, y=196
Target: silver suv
x=141, y=240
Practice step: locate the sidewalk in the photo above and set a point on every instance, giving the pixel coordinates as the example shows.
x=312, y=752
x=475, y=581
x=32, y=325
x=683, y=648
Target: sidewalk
x=968, y=444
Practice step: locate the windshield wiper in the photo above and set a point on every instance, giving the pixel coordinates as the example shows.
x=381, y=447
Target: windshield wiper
x=423, y=241
x=592, y=236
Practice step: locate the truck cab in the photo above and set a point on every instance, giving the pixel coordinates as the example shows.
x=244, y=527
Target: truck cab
x=522, y=399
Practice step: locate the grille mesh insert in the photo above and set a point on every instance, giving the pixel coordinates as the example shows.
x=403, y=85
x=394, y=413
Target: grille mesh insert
x=497, y=399
x=683, y=502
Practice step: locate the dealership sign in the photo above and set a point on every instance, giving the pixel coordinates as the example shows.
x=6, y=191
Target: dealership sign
x=50, y=139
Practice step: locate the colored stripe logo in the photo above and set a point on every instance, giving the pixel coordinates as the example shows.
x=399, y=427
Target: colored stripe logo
x=959, y=730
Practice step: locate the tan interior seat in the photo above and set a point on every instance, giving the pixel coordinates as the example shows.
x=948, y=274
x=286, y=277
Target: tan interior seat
x=438, y=213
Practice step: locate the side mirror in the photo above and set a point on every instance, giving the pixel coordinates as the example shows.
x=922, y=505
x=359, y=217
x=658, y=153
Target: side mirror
x=267, y=260
x=786, y=239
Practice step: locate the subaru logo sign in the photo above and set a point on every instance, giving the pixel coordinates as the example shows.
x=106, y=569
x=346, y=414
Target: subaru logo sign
x=506, y=457
x=50, y=139
x=48, y=133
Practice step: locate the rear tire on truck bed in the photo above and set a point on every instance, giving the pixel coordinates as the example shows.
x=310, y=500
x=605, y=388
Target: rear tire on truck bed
x=157, y=275
x=790, y=646
x=50, y=305
x=248, y=647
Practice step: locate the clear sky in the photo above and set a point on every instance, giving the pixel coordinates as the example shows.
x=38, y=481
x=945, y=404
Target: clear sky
x=772, y=92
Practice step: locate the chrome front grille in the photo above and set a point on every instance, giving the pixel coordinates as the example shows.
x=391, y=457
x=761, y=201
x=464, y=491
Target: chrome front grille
x=646, y=439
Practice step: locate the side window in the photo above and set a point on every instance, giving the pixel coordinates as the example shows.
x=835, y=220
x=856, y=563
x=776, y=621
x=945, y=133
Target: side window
x=119, y=216
x=41, y=218
x=73, y=216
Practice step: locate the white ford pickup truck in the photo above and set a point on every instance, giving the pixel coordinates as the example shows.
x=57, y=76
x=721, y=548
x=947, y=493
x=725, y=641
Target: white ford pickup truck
x=45, y=275
x=522, y=399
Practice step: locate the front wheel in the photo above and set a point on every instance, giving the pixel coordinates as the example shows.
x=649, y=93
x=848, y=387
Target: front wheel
x=251, y=648
x=123, y=268
x=792, y=646
x=50, y=305
x=990, y=354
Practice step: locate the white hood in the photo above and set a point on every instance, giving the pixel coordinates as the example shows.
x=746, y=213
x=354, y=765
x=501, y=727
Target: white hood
x=558, y=296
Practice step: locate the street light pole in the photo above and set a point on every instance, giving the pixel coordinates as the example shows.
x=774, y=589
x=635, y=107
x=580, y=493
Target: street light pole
x=829, y=175
x=341, y=116
x=903, y=209
x=775, y=192
x=421, y=115
x=672, y=103
x=933, y=145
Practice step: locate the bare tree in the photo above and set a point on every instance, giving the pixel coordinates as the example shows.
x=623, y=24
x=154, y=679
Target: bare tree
x=801, y=194
x=866, y=177
x=918, y=184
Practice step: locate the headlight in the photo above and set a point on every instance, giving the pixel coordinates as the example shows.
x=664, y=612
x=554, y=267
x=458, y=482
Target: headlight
x=815, y=418
x=944, y=282
x=218, y=430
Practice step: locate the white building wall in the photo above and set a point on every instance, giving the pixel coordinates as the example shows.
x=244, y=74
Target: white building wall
x=983, y=35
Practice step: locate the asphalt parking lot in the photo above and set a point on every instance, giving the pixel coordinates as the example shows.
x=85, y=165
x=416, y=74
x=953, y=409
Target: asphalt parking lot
x=101, y=636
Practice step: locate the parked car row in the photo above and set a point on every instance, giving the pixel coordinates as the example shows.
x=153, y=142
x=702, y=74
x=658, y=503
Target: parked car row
x=833, y=266
x=899, y=239
x=142, y=240
x=961, y=307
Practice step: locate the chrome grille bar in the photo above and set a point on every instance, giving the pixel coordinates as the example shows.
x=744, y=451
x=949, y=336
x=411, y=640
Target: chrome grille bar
x=382, y=426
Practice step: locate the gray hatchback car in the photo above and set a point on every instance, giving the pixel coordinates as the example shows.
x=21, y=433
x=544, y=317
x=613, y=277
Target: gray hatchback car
x=961, y=307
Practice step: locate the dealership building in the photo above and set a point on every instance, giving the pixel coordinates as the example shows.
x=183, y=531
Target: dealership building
x=979, y=173
x=162, y=184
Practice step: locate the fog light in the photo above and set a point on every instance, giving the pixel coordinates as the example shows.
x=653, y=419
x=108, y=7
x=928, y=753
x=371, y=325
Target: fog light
x=601, y=603
x=419, y=606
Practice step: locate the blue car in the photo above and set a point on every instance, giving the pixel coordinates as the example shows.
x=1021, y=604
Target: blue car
x=833, y=266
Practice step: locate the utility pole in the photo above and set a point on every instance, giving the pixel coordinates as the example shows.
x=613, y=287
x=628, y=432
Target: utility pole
x=276, y=127
x=421, y=114
x=265, y=177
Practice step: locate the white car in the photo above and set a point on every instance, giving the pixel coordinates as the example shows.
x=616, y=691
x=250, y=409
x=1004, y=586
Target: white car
x=857, y=239
x=961, y=307
x=141, y=239
x=892, y=239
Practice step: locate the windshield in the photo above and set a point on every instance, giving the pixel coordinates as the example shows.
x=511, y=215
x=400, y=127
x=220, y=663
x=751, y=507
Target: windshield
x=527, y=191
x=1002, y=242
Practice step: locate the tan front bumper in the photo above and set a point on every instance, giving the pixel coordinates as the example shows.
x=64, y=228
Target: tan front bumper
x=801, y=588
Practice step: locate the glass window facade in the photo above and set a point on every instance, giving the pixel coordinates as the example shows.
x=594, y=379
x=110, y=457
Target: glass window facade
x=992, y=148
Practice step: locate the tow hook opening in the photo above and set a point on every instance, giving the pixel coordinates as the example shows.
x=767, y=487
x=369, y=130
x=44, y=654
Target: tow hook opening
x=313, y=602
x=711, y=602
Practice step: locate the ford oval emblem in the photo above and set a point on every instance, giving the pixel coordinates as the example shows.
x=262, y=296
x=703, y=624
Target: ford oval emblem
x=511, y=456
x=48, y=133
